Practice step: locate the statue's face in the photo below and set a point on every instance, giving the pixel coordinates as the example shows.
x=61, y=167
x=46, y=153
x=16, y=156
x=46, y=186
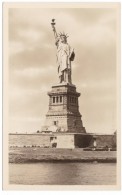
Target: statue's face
x=63, y=39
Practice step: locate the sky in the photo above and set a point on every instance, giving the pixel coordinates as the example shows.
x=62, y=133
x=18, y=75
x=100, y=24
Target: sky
x=33, y=69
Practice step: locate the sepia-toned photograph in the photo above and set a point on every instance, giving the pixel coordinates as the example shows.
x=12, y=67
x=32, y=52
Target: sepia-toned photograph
x=61, y=96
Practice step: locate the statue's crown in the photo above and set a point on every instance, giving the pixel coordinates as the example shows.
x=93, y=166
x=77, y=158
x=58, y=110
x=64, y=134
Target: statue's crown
x=63, y=34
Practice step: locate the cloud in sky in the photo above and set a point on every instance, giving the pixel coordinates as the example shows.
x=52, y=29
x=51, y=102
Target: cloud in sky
x=33, y=68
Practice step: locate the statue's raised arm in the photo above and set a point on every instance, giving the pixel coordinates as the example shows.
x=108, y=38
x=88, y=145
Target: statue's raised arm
x=54, y=29
x=55, y=33
x=65, y=54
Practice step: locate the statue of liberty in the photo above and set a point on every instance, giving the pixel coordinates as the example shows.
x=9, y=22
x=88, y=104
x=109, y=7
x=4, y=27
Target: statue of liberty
x=65, y=54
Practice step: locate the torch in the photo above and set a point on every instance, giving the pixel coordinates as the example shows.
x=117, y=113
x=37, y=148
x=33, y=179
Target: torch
x=54, y=29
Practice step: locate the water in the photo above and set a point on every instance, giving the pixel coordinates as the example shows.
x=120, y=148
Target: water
x=63, y=174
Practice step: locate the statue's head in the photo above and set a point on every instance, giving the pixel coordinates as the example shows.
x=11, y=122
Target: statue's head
x=63, y=37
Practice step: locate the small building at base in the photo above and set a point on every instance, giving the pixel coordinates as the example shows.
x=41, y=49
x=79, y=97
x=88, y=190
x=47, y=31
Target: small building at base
x=70, y=140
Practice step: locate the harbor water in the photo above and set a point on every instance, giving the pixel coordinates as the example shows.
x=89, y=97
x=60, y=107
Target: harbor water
x=63, y=173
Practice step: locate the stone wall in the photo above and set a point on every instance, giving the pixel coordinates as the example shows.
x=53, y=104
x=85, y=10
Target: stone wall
x=22, y=140
x=62, y=140
x=65, y=141
x=104, y=141
x=82, y=141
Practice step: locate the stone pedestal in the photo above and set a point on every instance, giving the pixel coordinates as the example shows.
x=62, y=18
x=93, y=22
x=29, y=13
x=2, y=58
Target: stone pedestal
x=63, y=114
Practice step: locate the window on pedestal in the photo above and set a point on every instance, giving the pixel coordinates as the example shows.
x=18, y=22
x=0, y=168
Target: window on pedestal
x=60, y=98
x=55, y=122
x=53, y=99
x=57, y=99
x=72, y=99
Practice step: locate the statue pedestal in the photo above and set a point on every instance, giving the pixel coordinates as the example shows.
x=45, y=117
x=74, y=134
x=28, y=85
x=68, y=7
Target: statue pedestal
x=63, y=110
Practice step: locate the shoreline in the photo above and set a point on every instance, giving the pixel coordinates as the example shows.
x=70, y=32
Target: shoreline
x=51, y=155
x=24, y=161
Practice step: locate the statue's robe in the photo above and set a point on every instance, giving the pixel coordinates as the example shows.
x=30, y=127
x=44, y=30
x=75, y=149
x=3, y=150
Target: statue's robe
x=65, y=55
